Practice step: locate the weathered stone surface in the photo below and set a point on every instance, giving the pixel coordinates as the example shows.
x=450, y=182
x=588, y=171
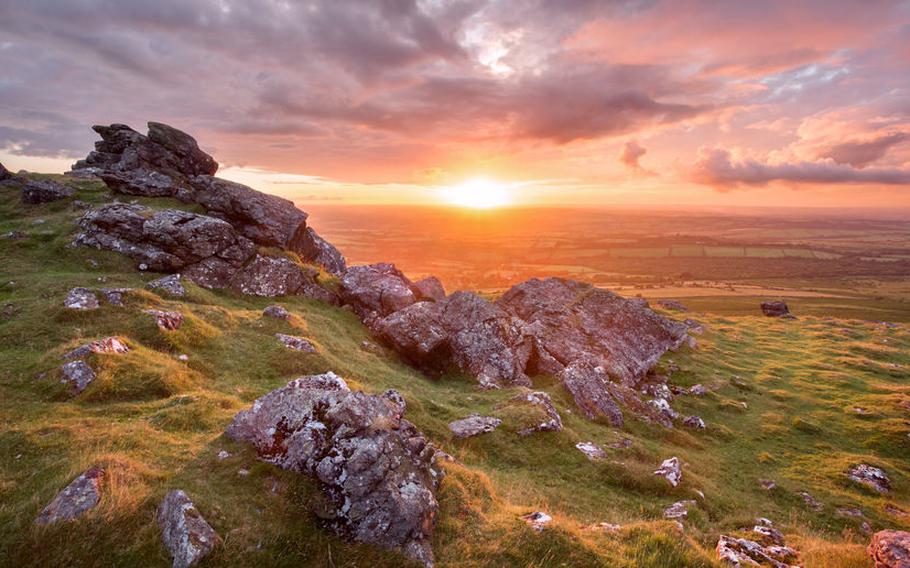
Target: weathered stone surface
x=168, y=321
x=662, y=407
x=265, y=219
x=464, y=330
x=78, y=498
x=5, y=174
x=276, y=311
x=740, y=552
x=810, y=501
x=295, y=343
x=474, y=425
x=76, y=375
x=591, y=450
x=35, y=192
x=103, y=345
x=575, y=321
x=777, y=309
x=430, y=288
x=170, y=284
x=870, y=476
x=670, y=470
x=376, y=470
x=590, y=387
x=165, y=150
x=147, y=183
x=185, y=533
x=270, y=276
x=698, y=390
x=317, y=250
x=166, y=240
x=890, y=549
x=679, y=510
x=377, y=290
x=81, y=299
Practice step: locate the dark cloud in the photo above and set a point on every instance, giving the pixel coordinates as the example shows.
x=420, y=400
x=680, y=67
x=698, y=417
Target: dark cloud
x=861, y=154
x=716, y=167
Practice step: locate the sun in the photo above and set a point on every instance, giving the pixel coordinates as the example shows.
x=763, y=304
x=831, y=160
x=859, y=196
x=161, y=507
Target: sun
x=477, y=193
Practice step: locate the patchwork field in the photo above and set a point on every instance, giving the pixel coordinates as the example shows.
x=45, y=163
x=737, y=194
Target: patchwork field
x=796, y=402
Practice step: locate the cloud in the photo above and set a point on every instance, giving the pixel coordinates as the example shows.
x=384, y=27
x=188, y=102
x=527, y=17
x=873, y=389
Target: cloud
x=717, y=167
x=861, y=154
x=630, y=154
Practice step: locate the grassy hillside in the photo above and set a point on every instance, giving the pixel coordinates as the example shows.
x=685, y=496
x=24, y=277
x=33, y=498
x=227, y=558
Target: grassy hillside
x=783, y=407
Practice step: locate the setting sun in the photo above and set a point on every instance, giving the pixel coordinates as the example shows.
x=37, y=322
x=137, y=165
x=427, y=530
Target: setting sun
x=477, y=193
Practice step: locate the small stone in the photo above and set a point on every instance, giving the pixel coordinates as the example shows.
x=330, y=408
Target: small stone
x=295, y=343
x=104, y=345
x=186, y=535
x=78, y=498
x=811, y=501
x=168, y=321
x=114, y=296
x=870, y=476
x=77, y=375
x=15, y=235
x=776, y=309
x=81, y=299
x=223, y=455
x=602, y=527
x=698, y=390
x=538, y=520
x=243, y=472
x=670, y=470
x=769, y=535
x=170, y=284
x=622, y=444
x=183, y=357
x=663, y=408
x=35, y=192
x=694, y=422
x=678, y=510
x=673, y=305
x=276, y=311
x=848, y=512
x=474, y=425
x=370, y=347
x=591, y=450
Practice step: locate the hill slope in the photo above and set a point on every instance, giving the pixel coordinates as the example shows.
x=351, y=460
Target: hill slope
x=796, y=402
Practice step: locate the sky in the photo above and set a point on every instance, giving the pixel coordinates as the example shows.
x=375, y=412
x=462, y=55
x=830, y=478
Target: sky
x=554, y=102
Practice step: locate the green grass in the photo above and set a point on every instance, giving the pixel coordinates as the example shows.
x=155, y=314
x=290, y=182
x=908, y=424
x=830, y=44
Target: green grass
x=780, y=409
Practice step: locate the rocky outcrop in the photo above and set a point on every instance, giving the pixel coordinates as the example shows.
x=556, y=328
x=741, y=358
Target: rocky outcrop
x=166, y=241
x=769, y=548
x=890, y=549
x=271, y=276
x=776, y=309
x=463, y=330
x=169, y=163
x=103, y=345
x=377, y=290
x=573, y=321
x=186, y=535
x=5, y=174
x=78, y=498
x=430, y=288
x=678, y=510
x=165, y=150
x=36, y=192
x=377, y=472
x=474, y=425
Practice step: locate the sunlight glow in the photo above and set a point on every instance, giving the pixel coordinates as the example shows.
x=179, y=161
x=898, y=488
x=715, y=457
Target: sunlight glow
x=477, y=193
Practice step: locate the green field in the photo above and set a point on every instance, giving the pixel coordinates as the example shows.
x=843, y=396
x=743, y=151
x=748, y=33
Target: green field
x=781, y=407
